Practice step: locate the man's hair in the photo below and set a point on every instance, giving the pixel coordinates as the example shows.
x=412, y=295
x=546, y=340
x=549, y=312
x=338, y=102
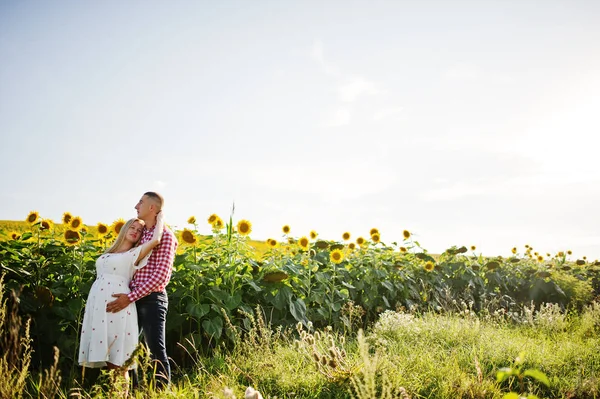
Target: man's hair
x=156, y=197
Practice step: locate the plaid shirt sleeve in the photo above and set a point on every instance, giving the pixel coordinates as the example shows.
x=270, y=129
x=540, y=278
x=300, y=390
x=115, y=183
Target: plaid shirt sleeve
x=157, y=272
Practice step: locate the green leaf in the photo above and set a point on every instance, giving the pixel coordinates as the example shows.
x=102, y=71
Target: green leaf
x=298, y=310
x=63, y=313
x=388, y=285
x=213, y=327
x=174, y=321
x=385, y=300
x=218, y=295
x=253, y=285
x=323, y=312
x=233, y=301
x=537, y=375
x=20, y=272
x=198, y=310
x=76, y=305
x=504, y=373
x=282, y=298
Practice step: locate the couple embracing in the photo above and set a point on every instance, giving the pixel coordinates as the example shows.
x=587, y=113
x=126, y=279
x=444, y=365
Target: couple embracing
x=129, y=294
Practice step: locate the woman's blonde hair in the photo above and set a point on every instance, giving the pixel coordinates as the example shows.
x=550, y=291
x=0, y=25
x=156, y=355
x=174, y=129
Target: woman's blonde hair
x=121, y=237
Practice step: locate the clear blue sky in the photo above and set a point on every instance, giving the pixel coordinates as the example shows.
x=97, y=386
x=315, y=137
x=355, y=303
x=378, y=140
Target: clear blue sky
x=465, y=122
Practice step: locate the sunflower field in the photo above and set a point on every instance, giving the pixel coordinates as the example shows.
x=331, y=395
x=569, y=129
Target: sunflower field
x=219, y=281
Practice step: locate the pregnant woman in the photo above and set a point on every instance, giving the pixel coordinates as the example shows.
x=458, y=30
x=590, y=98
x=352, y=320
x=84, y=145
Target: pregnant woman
x=109, y=339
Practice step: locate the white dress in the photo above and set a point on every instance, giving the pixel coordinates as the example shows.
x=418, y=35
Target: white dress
x=110, y=337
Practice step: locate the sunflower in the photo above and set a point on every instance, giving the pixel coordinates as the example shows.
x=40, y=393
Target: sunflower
x=473, y=247
x=540, y=258
x=360, y=241
x=569, y=252
x=336, y=256
x=429, y=266
x=375, y=238
x=406, y=234
x=66, y=219
x=374, y=231
x=403, y=249
x=303, y=242
x=118, y=225
x=286, y=229
x=192, y=220
x=560, y=254
x=313, y=234
x=46, y=224
x=102, y=229
x=218, y=224
x=212, y=218
x=514, y=250
x=244, y=227
x=352, y=246
x=75, y=223
x=72, y=237
x=14, y=235
x=188, y=237
x=346, y=236
x=32, y=217
x=272, y=242
x=526, y=245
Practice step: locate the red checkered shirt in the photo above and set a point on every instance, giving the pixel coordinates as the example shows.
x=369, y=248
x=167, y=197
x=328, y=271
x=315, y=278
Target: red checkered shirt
x=155, y=276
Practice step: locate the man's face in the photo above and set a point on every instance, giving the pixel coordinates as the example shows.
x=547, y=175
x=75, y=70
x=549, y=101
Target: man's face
x=144, y=207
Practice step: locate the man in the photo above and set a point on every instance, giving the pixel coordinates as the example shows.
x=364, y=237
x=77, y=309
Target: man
x=148, y=287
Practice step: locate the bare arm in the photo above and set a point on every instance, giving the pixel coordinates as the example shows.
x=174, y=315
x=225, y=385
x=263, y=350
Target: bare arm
x=154, y=241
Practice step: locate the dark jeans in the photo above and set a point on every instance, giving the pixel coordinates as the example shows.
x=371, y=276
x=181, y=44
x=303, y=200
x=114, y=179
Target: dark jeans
x=152, y=317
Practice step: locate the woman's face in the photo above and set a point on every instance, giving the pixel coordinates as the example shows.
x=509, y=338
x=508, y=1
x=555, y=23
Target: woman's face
x=135, y=231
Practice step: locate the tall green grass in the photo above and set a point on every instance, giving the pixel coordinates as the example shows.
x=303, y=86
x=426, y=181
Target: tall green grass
x=402, y=355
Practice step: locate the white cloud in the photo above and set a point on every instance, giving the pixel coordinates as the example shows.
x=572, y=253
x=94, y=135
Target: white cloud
x=453, y=192
x=463, y=71
x=562, y=138
x=396, y=113
x=158, y=185
x=340, y=117
x=353, y=89
x=317, y=55
x=320, y=181
x=349, y=87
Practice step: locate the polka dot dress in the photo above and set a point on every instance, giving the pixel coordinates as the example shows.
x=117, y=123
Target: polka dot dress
x=110, y=337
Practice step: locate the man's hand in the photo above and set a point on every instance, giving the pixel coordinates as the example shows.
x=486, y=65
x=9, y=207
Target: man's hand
x=118, y=304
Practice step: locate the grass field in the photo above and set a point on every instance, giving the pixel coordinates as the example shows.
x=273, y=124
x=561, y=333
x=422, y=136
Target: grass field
x=374, y=321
